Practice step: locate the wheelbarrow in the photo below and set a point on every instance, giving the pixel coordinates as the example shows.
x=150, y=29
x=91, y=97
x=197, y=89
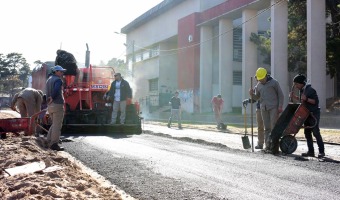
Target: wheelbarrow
x=17, y=125
x=288, y=125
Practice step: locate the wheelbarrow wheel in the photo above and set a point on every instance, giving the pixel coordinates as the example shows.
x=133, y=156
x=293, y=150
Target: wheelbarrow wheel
x=288, y=144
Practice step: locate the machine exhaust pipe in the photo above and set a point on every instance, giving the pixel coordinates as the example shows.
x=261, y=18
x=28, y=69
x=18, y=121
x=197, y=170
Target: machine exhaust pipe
x=87, y=57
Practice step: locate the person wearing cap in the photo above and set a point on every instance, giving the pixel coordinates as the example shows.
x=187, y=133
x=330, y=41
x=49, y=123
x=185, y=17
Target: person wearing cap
x=119, y=92
x=55, y=106
x=217, y=104
x=270, y=95
x=309, y=97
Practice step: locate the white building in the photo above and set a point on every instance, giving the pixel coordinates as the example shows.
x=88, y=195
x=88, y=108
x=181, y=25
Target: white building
x=201, y=48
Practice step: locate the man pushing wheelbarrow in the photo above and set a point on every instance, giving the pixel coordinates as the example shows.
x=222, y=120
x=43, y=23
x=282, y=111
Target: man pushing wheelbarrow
x=306, y=113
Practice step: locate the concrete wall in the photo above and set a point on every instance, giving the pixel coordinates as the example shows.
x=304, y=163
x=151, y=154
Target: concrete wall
x=162, y=27
x=168, y=66
x=145, y=71
x=209, y=4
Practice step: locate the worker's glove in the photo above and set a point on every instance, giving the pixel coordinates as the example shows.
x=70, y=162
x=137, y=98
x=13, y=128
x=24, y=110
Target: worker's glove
x=106, y=97
x=245, y=102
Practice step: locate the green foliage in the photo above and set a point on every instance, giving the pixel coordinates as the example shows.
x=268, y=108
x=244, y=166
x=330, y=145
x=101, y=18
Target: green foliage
x=297, y=38
x=263, y=45
x=37, y=62
x=333, y=38
x=119, y=66
x=14, y=72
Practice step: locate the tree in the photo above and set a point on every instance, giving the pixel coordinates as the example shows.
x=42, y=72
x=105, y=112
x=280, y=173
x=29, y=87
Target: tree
x=38, y=62
x=14, y=72
x=297, y=37
x=333, y=38
x=119, y=66
x=263, y=45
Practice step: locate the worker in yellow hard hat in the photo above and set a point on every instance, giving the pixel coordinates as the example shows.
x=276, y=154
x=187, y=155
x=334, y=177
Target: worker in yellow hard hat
x=261, y=74
x=270, y=95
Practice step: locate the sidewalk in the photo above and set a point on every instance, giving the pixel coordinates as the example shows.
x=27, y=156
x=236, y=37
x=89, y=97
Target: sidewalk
x=230, y=138
x=327, y=120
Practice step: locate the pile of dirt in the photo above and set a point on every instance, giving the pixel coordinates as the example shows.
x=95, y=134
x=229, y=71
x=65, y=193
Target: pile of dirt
x=28, y=171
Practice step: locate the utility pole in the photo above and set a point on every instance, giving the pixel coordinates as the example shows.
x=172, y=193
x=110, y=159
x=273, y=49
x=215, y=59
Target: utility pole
x=133, y=58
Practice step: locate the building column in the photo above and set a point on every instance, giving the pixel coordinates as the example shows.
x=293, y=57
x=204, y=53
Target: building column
x=249, y=51
x=226, y=63
x=279, y=46
x=316, y=48
x=205, y=68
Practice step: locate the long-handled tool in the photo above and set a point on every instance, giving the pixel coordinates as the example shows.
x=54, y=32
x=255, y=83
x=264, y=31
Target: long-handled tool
x=252, y=122
x=245, y=139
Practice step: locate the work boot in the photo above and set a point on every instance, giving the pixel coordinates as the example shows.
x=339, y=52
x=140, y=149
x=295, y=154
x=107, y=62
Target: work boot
x=321, y=155
x=56, y=147
x=259, y=146
x=308, y=154
x=168, y=125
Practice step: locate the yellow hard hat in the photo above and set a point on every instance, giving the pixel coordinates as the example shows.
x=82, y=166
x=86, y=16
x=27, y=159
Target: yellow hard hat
x=261, y=73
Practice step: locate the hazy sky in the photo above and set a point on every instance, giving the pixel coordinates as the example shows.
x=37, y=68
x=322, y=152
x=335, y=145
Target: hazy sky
x=37, y=28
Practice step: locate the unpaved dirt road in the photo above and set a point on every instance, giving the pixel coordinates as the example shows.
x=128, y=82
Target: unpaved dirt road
x=158, y=166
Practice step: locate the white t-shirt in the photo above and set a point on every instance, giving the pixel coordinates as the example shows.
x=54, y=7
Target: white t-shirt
x=117, y=93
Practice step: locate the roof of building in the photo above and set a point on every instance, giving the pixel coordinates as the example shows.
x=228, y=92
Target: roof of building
x=150, y=14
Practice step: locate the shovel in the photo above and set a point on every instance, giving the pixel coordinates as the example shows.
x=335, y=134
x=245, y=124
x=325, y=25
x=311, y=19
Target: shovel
x=245, y=139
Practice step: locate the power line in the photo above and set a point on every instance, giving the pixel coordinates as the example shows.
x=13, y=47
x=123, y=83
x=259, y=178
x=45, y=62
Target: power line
x=199, y=43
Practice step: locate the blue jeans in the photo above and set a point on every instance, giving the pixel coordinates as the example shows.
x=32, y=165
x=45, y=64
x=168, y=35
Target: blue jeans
x=316, y=132
x=177, y=113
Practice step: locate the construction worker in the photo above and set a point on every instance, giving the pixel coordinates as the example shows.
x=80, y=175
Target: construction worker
x=310, y=99
x=270, y=95
x=120, y=93
x=28, y=101
x=67, y=61
x=217, y=104
x=55, y=107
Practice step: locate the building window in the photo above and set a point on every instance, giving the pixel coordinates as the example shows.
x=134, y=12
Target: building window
x=237, y=43
x=237, y=78
x=146, y=54
x=155, y=51
x=138, y=57
x=153, y=84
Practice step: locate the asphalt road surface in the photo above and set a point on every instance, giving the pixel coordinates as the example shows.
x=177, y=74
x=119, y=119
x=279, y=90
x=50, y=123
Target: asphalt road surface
x=155, y=165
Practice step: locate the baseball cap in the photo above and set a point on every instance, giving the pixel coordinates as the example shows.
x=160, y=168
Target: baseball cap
x=58, y=68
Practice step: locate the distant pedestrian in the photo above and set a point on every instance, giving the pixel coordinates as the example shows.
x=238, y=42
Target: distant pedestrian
x=217, y=105
x=175, y=103
x=270, y=95
x=309, y=97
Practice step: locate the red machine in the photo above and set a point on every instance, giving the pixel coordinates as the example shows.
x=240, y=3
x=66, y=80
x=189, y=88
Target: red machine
x=16, y=125
x=84, y=104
